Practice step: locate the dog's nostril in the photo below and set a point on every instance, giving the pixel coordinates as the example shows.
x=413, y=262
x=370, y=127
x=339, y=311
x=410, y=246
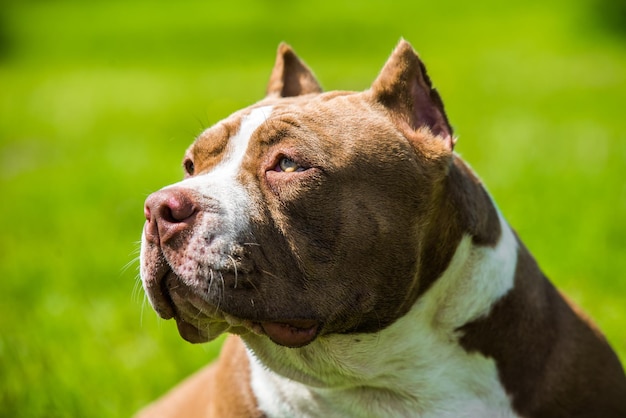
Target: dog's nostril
x=177, y=208
x=168, y=213
x=169, y=206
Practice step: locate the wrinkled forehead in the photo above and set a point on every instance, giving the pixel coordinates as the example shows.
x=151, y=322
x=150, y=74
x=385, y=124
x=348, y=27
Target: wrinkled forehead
x=228, y=140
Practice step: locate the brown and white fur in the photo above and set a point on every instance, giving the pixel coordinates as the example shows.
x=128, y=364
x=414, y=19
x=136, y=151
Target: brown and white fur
x=362, y=267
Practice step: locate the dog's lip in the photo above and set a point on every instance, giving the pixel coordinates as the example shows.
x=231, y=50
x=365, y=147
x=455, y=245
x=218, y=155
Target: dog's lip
x=288, y=333
x=201, y=334
x=160, y=298
x=291, y=333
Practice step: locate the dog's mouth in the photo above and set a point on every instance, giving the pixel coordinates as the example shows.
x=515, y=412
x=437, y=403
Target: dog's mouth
x=199, y=321
x=293, y=333
x=289, y=333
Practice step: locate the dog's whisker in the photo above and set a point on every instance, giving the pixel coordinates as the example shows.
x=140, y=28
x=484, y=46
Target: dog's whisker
x=219, y=292
x=143, y=308
x=235, y=268
x=223, y=283
x=198, y=314
x=129, y=264
x=251, y=244
x=137, y=289
x=210, y=283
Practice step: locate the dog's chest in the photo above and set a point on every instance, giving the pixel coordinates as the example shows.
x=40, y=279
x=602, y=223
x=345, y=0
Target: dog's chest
x=445, y=382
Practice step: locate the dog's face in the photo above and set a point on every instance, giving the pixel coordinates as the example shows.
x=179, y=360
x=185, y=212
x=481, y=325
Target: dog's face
x=303, y=214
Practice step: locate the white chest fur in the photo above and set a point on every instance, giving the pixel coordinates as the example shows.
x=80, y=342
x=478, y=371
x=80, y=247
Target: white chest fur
x=415, y=367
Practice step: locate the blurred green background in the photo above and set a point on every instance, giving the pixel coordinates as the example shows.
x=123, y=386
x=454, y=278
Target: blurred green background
x=99, y=99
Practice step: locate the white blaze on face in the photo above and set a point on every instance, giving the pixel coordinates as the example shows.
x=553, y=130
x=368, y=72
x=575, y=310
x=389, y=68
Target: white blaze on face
x=238, y=144
x=227, y=169
x=222, y=196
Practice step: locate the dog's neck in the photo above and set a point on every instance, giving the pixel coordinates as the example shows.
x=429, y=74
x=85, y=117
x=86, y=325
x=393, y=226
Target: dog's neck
x=415, y=364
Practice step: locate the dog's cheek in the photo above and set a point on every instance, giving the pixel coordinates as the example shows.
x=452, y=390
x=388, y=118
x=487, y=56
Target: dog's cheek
x=290, y=187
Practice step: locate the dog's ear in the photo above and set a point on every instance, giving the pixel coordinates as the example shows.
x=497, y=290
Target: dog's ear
x=290, y=76
x=404, y=88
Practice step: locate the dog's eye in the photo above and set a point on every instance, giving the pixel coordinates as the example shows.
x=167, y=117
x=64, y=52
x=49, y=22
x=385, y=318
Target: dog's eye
x=288, y=165
x=189, y=167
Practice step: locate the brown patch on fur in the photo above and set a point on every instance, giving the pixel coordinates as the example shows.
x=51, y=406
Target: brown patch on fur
x=538, y=341
x=290, y=76
x=219, y=390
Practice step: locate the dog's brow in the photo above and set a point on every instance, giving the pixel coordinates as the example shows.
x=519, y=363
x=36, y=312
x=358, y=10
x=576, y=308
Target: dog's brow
x=278, y=128
x=211, y=144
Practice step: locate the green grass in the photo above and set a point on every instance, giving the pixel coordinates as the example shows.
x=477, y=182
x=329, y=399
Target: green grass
x=98, y=101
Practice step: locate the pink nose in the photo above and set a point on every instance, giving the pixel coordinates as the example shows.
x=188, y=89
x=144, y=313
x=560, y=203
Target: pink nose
x=168, y=212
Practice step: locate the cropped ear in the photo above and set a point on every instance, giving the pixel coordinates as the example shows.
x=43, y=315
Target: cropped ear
x=404, y=88
x=290, y=76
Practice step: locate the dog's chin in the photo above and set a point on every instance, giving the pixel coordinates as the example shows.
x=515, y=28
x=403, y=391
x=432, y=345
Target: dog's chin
x=199, y=321
x=290, y=333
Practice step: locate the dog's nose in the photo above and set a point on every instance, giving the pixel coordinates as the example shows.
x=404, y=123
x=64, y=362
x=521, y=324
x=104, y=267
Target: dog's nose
x=168, y=212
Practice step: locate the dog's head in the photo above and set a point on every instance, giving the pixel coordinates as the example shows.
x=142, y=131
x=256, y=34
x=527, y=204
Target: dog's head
x=305, y=214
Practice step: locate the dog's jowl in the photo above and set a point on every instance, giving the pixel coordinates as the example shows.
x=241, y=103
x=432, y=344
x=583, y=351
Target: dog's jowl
x=361, y=268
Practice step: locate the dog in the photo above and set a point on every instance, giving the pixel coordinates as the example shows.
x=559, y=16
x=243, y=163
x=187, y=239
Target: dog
x=361, y=267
